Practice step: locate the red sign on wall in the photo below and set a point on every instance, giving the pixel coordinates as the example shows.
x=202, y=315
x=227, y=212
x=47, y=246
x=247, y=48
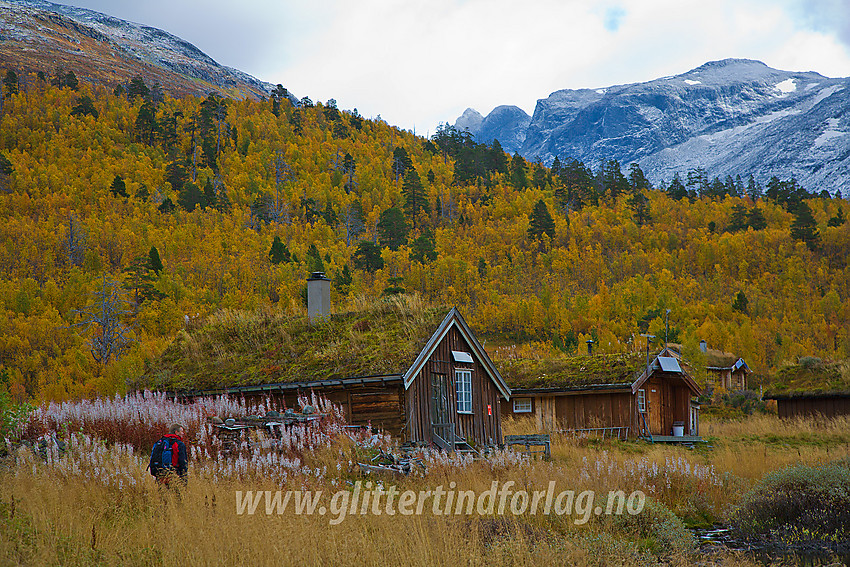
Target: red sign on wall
x=489, y=409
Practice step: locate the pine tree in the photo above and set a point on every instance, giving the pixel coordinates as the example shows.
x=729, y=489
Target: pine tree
x=118, y=187
x=85, y=107
x=414, y=196
x=342, y=280
x=756, y=219
x=154, y=261
x=279, y=252
x=637, y=180
x=838, y=219
x=740, y=303
x=519, y=178
x=422, y=249
x=541, y=222
x=392, y=228
x=739, y=220
x=640, y=208
x=367, y=257
x=804, y=227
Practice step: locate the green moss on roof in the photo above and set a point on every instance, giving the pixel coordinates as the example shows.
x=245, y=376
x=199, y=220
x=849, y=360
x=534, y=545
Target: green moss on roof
x=572, y=372
x=241, y=348
x=718, y=358
x=811, y=377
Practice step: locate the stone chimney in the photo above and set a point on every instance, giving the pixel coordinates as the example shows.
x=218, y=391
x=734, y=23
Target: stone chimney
x=318, y=297
x=703, y=346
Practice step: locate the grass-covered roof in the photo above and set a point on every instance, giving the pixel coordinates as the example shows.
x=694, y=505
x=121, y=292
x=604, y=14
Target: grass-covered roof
x=240, y=348
x=811, y=377
x=719, y=359
x=571, y=372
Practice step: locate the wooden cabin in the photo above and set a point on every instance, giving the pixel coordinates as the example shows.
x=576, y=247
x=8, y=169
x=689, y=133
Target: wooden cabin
x=417, y=373
x=811, y=388
x=615, y=393
x=726, y=370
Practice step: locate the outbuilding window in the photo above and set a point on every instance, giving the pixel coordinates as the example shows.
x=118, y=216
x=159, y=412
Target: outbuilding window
x=522, y=405
x=463, y=380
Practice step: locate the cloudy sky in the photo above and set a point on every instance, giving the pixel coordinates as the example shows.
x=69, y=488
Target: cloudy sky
x=418, y=63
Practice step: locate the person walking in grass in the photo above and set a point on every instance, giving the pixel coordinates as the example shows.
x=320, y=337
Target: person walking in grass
x=169, y=458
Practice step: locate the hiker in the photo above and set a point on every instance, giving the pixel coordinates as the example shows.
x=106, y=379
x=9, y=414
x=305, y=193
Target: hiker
x=169, y=458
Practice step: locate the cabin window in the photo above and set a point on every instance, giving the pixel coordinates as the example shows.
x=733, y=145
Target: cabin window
x=463, y=379
x=641, y=400
x=522, y=405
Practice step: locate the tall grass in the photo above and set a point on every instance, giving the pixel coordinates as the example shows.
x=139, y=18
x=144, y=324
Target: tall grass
x=93, y=503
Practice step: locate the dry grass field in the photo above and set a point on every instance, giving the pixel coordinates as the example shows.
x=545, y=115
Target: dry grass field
x=94, y=504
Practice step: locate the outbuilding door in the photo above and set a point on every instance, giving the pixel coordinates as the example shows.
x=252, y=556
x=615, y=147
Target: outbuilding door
x=654, y=407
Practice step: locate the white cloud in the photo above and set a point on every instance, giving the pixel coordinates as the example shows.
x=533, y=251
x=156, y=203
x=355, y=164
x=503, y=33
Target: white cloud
x=418, y=62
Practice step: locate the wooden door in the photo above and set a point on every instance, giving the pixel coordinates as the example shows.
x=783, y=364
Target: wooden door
x=654, y=407
x=439, y=399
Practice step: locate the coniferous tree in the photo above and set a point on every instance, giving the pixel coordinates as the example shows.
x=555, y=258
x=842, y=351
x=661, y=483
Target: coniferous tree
x=739, y=219
x=677, y=190
x=839, y=218
x=145, y=126
x=541, y=222
x=637, y=180
x=392, y=228
x=740, y=303
x=279, y=252
x=756, y=219
x=118, y=187
x=190, y=197
x=415, y=199
x=422, y=249
x=137, y=88
x=804, y=227
x=519, y=178
x=367, y=257
x=342, y=280
x=640, y=208
x=314, y=259
x=401, y=163
x=85, y=107
x=154, y=261
x=10, y=82
x=166, y=206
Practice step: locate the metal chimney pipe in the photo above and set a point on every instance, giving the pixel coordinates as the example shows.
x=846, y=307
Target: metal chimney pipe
x=318, y=297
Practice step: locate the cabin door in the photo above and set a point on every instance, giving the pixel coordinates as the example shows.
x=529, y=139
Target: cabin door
x=653, y=402
x=442, y=429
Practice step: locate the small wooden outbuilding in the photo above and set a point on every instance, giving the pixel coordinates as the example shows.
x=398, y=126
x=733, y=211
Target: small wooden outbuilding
x=620, y=394
x=418, y=373
x=811, y=388
x=726, y=370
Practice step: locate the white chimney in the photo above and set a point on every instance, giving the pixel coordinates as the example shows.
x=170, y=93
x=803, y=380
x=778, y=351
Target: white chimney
x=318, y=297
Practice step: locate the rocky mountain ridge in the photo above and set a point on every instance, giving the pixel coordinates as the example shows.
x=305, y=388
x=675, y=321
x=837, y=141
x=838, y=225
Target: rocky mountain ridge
x=729, y=117
x=42, y=36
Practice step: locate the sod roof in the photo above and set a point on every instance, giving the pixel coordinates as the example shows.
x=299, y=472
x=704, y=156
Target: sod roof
x=239, y=348
x=574, y=372
x=811, y=377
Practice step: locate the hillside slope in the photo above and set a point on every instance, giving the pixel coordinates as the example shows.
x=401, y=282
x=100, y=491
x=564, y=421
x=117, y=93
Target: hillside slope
x=243, y=199
x=41, y=36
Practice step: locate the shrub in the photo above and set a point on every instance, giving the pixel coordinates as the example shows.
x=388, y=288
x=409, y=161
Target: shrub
x=799, y=507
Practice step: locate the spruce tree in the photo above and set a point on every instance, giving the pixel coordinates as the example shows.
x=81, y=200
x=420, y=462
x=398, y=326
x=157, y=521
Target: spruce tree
x=415, y=199
x=541, y=222
x=279, y=252
x=392, y=228
x=640, y=208
x=118, y=187
x=154, y=261
x=756, y=219
x=804, y=227
x=367, y=257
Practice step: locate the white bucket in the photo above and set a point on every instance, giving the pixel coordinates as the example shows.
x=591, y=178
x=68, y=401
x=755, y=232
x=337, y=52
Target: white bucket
x=678, y=431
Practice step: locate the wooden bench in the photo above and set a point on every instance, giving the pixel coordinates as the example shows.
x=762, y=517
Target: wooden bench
x=529, y=441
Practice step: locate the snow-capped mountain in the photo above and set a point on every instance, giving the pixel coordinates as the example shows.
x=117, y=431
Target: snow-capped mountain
x=730, y=117
x=37, y=35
